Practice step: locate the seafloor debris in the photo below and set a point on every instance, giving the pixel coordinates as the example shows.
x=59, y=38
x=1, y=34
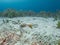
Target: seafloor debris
x=34, y=43
x=29, y=25
x=8, y=38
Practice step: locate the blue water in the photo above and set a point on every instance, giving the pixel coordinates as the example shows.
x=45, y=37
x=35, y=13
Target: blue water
x=35, y=5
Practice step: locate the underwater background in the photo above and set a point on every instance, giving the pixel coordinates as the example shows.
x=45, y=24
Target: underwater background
x=35, y=5
x=29, y=22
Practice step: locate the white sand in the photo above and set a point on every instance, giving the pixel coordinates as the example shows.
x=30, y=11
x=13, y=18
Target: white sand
x=44, y=31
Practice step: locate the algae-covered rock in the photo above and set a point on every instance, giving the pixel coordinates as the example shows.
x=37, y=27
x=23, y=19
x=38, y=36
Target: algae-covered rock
x=58, y=25
x=58, y=42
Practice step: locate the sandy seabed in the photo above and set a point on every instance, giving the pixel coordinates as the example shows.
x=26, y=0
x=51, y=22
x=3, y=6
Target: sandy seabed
x=29, y=31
